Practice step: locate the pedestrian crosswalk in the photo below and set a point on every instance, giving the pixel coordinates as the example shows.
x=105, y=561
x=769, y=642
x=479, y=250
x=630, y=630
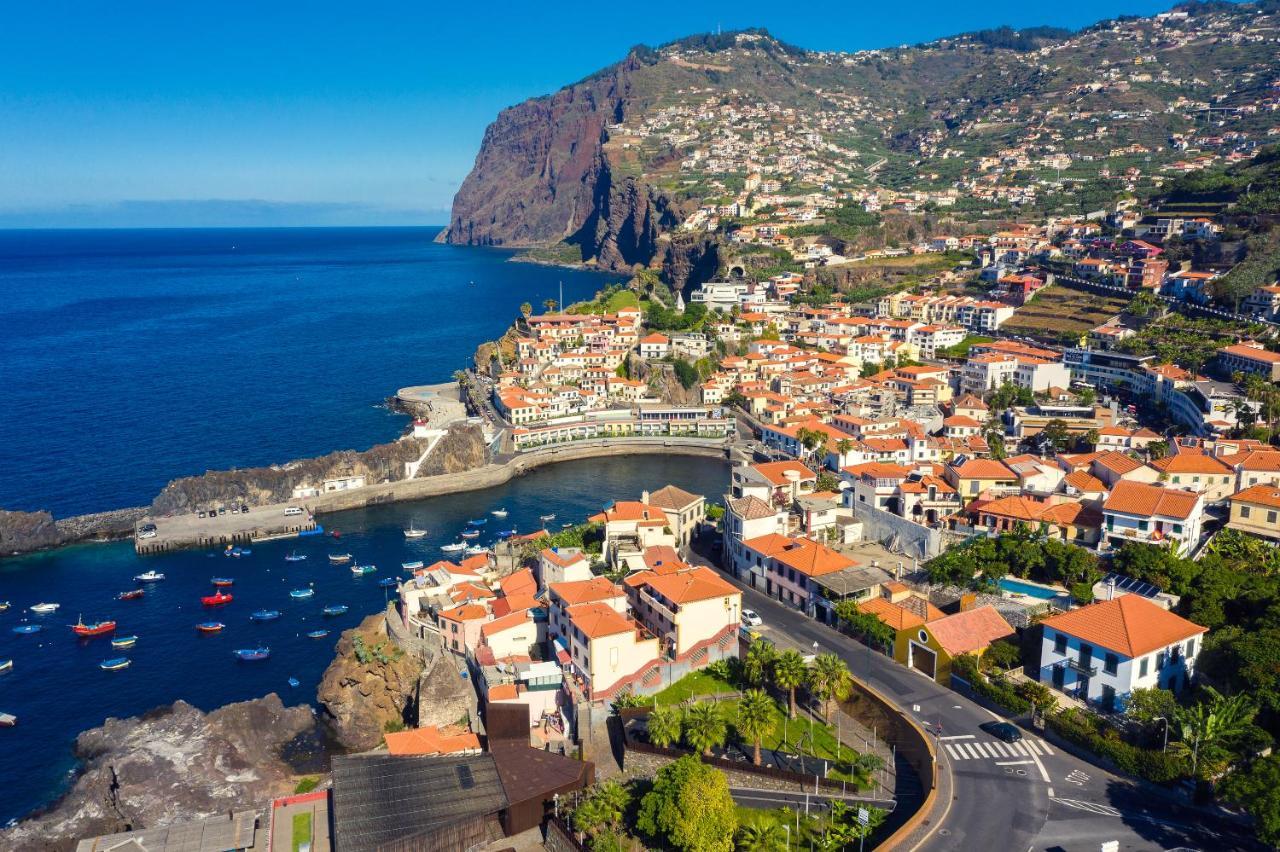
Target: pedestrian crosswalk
x=995, y=749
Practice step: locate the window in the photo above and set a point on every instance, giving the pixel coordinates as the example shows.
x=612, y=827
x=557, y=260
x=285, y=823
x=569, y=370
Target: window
x=1244, y=511
x=1177, y=479
x=1177, y=529
x=1271, y=517
x=1142, y=525
x=1060, y=644
x=1142, y=667
x=1191, y=647
x=924, y=637
x=1110, y=664
x=1160, y=660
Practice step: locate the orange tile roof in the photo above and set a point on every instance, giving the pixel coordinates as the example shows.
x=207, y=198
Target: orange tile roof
x=891, y=614
x=503, y=692
x=431, y=740
x=521, y=582
x=585, y=591
x=631, y=510
x=1118, y=462
x=1137, y=498
x=969, y=631
x=671, y=497
x=697, y=584
x=596, y=620
x=808, y=557
x=564, y=560
x=1191, y=463
x=466, y=612
x=1129, y=624
x=983, y=469
x=515, y=619
x=1260, y=460
x=514, y=603
x=775, y=472
x=1242, y=350
x=1262, y=495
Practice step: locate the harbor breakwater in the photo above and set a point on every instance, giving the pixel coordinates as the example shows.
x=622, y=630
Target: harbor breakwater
x=27, y=532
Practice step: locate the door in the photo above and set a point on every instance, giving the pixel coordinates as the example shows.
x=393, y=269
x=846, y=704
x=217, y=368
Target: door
x=1059, y=677
x=922, y=659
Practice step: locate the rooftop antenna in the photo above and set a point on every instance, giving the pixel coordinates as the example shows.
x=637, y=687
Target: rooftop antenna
x=561, y=297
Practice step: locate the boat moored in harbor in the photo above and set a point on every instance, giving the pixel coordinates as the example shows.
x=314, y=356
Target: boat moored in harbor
x=317, y=634
x=477, y=522
x=219, y=599
x=222, y=582
x=210, y=626
x=44, y=608
x=4, y=605
x=26, y=629
x=148, y=577
x=339, y=558
x=131, y=595
x=6, y=666
x=414, y=532
x=469, y=534
x=115, y=664
x=294, y=556
x=499, y=513
x=411, y=566
x=455, y=547
x=264, y=615
x=301, y=594
x=250, y=654
x=97, y=628
x=361, y=570
x=336, y=609
x=124, y=641
x=8, y=720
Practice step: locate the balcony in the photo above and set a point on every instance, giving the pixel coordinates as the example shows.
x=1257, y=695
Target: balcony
x=1081, y=668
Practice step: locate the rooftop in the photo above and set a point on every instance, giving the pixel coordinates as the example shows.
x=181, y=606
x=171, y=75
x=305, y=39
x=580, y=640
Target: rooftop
x=1129, y=624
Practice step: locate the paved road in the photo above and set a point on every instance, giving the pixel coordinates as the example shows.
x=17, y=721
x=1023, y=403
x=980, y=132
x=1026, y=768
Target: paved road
x=1036, y=797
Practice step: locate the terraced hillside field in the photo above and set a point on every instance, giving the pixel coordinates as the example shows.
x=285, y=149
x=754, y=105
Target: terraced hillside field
x=1061, y=313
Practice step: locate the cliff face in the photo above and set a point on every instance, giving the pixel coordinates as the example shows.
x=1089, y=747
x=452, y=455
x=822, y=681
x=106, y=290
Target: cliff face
x=369, y=683
x=25, y=532
x=542, y=175
x=171, y=764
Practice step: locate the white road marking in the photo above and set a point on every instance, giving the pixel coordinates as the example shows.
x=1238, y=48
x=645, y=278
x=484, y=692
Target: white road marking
x=953, y=752
x=1031, y=746
x=1012, y=762
x=1044, y=773
x=1044, y=745
x=957, y=737
x=1000, y=749
x=1090, y=807
x=970, y=750
x=982, y=750
x=1050, y=792
x=1018, y=748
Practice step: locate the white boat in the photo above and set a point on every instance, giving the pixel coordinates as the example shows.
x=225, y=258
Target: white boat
x=6, y=666
x=8, y=720
x=339, y=558
x=411, y=566
x=499, y=513
x=44, y=608
x=414, y=532
x=456, y=547
x=476, y=550
x=148, y=577
x=550, y=517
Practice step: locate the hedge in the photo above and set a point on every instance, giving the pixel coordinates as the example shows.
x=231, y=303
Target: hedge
x=996, y=690
x=1157, y=766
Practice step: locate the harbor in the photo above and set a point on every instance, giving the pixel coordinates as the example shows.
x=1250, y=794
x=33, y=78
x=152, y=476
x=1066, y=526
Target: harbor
x=224, y=529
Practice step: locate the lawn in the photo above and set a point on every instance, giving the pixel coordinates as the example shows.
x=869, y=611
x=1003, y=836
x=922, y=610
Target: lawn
x=693, y=685
x=301, y=831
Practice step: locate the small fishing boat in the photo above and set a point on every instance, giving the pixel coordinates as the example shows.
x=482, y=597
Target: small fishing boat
x=335, y=609
x=499, y=513
x=551, y=517
x=411, y=566
x=565, y=526
x=253, y=653
x=97, y=628
x=210, y=626
x=114, y=664
x=219, y=598
x=469, y=534
x=26, y=629
x=506, y=533
x=476, y=550
x=414, y=532
x=244, y=551
x=294, y=556
x=264, y=615
x=222, y=582
x=477, y=522
x=8, y=720
x=302, y=594
x=6, y=666
x=232, y=551
x=294, y=682
x=335, y=534
x=149, y=577
x=317, y=634
x=361, y=570
x=456, y=547
x=339, y=558
x=4, y=605
x=387, y=582
x=124, y=641
x=131, y=595
x=45, y=608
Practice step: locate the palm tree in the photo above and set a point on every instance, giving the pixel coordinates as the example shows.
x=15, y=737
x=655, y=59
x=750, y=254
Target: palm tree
x=549, y=304
x=829, y=680
x=762, y=835
x=755, y=668
x=704, y=727
x=1206, y=725
x=526, y=309
x=755, y=719
x=664, y=726
x=789, y=673
x=844, y=446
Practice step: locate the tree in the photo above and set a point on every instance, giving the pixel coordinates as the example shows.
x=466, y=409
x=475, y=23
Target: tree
x=602, y=809
x=664, y=726
x=755, y=719
x=830, y=680
x=758, y=663
x=1152, y=707
x=761, y=835
x=549, y=304
x=1206, y=727
x=1055, y=434
x=1257, y=790
x=704, y=727
x=1003, y=654
x=526, y=309
x=689, y=808
x=790, y=673
x=685, y=373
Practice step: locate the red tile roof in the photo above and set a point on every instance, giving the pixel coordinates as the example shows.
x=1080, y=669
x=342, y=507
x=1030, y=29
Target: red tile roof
x=973, y=630
x=1129, y=624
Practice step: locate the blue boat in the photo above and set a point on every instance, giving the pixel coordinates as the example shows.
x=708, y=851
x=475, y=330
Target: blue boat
x=301, y=594
x=244, y=551
x=26, y=628
x=210, y=626
x=294, y=682
x=387, y=582
x=264, y=615
x=336, y=609
x=478, y=522
x=317, y=634
x=412, y=566
x=294, y=556
x=115, y=664
x=506, y=533
x=124, y=641
x=253, y=653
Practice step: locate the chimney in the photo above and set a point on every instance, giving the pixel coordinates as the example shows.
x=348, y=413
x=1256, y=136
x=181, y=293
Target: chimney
x=967, y=601
x=1111, y=588
x=644, y=497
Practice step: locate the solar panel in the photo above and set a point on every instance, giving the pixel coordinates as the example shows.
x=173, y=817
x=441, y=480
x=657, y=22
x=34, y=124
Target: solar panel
x=1131, y=585
x=465, y=780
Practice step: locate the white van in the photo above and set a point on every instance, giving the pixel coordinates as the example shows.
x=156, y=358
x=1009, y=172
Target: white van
x=293, y=510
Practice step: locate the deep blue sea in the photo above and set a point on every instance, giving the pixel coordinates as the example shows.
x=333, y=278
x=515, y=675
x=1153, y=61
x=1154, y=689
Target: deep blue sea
x=131, y=357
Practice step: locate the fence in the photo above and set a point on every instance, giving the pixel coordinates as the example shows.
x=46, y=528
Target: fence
x=560, y=838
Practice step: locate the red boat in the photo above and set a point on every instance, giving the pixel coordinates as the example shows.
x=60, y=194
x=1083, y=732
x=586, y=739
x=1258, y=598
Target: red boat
x=210, y=626
x=131, y=595
x=98, y=628
x=219, y=599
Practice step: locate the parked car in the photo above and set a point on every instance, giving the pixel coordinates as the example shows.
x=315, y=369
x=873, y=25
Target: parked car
x=1006, y=731
x=750, y=618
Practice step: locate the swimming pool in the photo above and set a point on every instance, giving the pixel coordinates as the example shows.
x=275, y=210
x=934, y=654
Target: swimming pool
x=1009, y=584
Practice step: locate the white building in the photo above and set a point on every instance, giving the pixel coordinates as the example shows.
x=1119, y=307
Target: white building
x=721, y=295
x=1152, y=514
x=1104, y=651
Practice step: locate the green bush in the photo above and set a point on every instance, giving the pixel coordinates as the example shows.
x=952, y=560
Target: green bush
x=1157, y=766
x=996, y=690
x=306, y=785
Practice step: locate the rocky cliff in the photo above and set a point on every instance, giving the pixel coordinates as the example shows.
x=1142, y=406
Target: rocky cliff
x=543, y=175
x=25, y=532
x=171, y=764
x=369, y=684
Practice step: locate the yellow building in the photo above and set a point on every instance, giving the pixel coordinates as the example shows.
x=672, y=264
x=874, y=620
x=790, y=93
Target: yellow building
x=1256, y=511
x=930, y=648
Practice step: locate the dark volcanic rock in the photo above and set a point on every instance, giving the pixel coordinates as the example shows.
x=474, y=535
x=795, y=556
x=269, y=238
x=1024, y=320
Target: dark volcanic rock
x=463, y=448
x=22, y=532
x=169, y=765
x=361, y=697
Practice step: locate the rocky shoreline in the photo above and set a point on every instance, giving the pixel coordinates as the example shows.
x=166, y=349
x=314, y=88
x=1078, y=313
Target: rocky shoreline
x=28, y=532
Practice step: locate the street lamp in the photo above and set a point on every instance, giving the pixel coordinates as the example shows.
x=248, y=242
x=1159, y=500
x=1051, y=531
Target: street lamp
x=1164, y=747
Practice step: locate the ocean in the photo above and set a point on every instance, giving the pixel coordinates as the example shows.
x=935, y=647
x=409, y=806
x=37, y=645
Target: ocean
x=128, y=358
x=131, y=357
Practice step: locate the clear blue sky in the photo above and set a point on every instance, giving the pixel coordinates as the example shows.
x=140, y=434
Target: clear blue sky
x=134, y=112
